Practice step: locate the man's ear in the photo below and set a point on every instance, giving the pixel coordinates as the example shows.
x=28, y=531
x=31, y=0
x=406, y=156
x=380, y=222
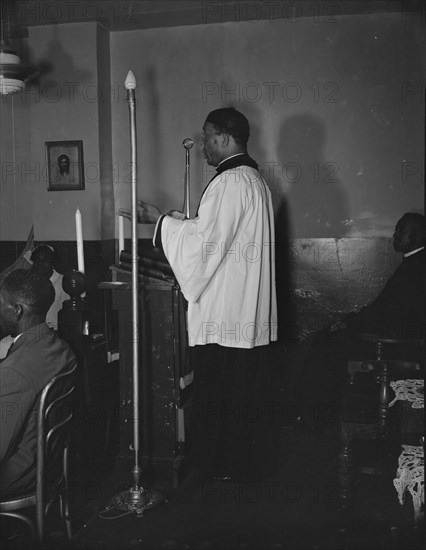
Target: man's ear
x=415, y=237
x=18, y=310
x=225, y=140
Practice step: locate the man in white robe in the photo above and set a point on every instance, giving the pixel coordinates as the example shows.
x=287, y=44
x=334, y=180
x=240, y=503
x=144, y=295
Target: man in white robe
x=224, y=262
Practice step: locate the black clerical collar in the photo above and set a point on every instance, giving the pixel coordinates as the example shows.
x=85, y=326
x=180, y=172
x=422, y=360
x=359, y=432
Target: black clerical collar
x=241, y=159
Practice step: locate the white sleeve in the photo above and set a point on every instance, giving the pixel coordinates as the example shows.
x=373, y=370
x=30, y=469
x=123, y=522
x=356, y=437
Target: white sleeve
x=195, y=248
x=154, y=238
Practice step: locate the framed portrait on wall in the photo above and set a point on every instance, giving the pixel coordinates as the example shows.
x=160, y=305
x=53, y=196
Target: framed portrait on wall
x=65, y=165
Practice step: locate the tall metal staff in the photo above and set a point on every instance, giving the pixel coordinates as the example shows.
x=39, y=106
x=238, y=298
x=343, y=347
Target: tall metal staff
x=137, y=498
x=187, y=143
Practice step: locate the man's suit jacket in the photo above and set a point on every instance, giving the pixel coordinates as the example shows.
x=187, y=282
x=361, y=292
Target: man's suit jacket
x=33, y=360
x=399, y=310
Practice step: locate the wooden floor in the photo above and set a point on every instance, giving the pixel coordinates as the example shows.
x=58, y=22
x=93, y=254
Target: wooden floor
x=294, y=509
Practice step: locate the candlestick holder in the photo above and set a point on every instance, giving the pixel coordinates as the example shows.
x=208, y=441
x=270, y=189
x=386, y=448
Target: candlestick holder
x=74, y=284
x=74, y=313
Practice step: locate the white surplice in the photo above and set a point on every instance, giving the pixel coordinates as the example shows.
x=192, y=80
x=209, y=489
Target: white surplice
x=224, y=261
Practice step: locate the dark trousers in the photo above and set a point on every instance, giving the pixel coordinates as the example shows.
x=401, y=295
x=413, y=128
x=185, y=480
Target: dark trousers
x=228, y=420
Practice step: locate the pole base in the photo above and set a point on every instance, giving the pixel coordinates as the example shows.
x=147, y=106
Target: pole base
x=137, y=499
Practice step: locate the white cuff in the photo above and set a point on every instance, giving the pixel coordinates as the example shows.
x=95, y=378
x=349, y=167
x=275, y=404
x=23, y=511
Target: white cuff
x=154, y=238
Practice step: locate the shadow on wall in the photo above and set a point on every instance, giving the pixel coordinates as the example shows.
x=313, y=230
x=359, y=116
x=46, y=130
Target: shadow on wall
x=153, y=125
x=318, y=207
x=62, y=70
x=284, y=271
x=311, y=203
x=283, y=259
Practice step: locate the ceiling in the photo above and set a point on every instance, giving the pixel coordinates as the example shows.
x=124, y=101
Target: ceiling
x=121, y=15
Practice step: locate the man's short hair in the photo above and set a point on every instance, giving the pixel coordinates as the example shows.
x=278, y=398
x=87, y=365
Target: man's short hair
x=230, y=121
x=30, y=288
x=416, y=223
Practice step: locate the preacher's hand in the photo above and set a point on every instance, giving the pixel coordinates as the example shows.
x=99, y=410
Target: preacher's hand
x=147, y=213
x=125, y=213
x=176, y=214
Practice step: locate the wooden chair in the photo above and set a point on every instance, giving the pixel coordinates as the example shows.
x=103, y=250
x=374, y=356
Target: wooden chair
x=364, y=413
x=53, y=428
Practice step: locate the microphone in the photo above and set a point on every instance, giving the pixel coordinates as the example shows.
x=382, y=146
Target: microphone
x=188, y=143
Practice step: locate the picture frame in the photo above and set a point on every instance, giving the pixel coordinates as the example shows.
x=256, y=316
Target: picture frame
x=65, y=165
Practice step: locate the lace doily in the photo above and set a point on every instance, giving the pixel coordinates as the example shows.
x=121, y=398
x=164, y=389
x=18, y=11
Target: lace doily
x=410, y=476
x=409, y=390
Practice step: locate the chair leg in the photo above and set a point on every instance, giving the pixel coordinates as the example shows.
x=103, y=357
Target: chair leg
x=345, y=477
x=107, y=433
x=40, y=526
x=25, y=519
x=65, y=513
x=65, y=508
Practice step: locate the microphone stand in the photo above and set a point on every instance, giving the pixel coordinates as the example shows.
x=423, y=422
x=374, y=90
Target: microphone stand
x=187, y=143
x=137, y=498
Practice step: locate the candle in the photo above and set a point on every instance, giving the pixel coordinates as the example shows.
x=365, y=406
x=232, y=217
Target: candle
x=79, y=233
x=120, y=235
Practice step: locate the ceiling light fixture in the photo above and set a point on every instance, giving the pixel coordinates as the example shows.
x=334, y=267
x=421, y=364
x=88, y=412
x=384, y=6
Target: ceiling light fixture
x=13, y=74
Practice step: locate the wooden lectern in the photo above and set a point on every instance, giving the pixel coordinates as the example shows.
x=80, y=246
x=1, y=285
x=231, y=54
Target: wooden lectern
x=165, y=373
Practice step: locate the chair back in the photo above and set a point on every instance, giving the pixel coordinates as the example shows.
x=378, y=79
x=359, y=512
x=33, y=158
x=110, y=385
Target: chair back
x=55, y=412
x=388, y=361
x=383, y=369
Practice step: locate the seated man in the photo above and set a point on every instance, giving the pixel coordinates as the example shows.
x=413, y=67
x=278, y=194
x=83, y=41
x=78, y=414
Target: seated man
x=42, y=259
x=397, y=313
x=36, y=356
x=399, y=310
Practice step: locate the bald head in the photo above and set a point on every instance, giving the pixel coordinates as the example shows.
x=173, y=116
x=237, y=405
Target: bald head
x=410, y=232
